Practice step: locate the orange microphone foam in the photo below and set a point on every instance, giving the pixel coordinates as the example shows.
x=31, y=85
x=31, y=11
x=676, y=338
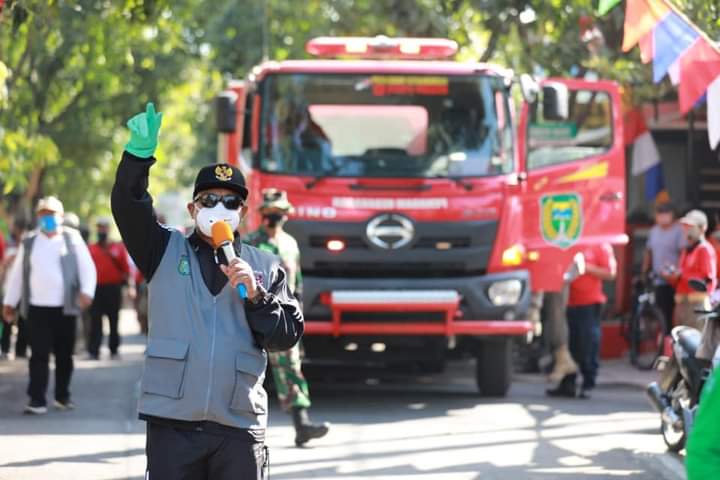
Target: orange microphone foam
x=221, y=233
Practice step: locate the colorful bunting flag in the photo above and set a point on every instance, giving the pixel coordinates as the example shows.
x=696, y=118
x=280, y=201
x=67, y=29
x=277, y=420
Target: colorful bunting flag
x=671, y=37
x=647, y=48
x=641, y=16
x=699, y=67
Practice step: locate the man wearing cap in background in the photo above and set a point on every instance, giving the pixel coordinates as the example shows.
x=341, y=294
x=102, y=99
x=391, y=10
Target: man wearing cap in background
x=697, y=261
x=202, y=390
x=52, y=279
x=290, y=383
x=664, y=245
x=113, y=271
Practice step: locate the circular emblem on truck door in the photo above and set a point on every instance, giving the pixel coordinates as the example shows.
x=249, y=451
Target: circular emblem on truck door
x=390, y=231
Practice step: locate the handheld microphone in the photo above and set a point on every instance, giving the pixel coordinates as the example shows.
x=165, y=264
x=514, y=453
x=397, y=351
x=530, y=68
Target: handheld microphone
x=222, y=237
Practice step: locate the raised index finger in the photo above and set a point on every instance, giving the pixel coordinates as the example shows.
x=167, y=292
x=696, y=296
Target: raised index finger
x=150, y=111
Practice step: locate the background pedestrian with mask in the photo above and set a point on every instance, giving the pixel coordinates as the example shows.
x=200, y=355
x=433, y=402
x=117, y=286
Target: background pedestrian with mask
x=113, y=271
x=201, y=393
x=52, y=279
x=292, y=387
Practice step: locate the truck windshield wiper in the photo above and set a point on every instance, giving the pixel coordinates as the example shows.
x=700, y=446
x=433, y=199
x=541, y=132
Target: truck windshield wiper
x=459, y=181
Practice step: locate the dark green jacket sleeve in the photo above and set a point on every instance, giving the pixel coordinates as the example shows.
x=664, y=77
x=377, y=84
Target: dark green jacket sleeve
x=703, y=447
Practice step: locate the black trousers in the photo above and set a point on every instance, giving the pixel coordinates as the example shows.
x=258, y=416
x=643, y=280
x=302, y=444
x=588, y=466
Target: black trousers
x=106, y=303
x=584, y=340
x=182, y=454
x=20, y=342
x=665, y=301
x=50, y=331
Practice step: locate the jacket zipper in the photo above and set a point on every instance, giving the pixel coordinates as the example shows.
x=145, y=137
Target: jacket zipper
x=212, y=359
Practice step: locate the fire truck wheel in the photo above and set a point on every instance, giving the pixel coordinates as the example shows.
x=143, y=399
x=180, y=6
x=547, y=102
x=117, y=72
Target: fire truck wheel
x=493, y=367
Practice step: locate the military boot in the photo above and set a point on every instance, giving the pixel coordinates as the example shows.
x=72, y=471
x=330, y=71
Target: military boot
x=305, y=430
x=564, y=365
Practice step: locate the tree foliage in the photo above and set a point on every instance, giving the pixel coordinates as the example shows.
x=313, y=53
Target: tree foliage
x=71, y=71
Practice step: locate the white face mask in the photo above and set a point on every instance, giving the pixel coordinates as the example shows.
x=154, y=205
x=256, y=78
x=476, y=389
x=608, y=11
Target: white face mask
x=207, y=216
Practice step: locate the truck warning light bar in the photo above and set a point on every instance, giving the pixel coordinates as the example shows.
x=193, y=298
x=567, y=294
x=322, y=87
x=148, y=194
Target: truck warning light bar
x=382, y=47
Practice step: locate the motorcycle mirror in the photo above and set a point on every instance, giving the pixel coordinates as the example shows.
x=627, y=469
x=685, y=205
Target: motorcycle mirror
x=697, y=285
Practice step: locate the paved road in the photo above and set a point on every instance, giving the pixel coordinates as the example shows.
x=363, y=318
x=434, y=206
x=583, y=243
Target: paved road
x=384, y=428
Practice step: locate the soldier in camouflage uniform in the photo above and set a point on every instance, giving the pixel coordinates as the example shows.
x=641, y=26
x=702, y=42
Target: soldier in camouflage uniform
x=290, y=383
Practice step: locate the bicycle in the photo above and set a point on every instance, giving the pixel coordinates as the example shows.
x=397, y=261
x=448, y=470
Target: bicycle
x=645, y=328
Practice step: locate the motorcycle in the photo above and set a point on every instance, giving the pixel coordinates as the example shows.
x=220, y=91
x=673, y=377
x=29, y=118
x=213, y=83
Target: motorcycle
x=682, y=376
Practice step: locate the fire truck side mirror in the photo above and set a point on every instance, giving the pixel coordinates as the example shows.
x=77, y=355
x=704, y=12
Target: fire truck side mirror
x=556, y=102
x=225, y=112
x=529, y=88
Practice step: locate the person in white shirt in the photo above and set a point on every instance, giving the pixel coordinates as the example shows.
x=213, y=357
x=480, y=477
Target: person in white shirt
x=51, y=281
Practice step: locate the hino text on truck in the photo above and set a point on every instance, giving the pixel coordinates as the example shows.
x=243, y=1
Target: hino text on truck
x=426, y=209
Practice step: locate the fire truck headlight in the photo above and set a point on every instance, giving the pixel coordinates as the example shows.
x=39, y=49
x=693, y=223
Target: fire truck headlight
x=506, y=292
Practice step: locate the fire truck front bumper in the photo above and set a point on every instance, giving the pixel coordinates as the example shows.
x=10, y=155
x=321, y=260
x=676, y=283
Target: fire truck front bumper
x=483, y=305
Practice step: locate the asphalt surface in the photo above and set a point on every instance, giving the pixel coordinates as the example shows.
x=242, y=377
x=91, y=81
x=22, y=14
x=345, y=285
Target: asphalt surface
x=385, y=426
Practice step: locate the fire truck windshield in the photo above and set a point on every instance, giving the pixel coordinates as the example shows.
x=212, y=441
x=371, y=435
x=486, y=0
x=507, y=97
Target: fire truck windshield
x=385, y=125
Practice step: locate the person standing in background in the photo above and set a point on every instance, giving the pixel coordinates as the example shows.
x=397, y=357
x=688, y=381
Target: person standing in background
x=292, y=387
x=697, y=261
x=585, y=303
x=52, y=279
x=11, y=248
x=113, y=270
x=665, y=243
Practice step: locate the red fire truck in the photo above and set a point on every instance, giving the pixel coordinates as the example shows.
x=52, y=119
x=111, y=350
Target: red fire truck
x=426, y=208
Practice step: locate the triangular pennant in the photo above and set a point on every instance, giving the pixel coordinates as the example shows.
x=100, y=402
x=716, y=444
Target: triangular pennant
x=699, y=66
x=671, y=37
x=641, y=16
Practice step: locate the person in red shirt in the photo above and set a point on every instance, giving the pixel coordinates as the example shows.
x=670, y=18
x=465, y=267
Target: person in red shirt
x=697, y=261
x=585, y=302
x=113, y=270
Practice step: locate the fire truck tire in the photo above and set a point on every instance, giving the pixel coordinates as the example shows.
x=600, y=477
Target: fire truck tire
x=493, y=367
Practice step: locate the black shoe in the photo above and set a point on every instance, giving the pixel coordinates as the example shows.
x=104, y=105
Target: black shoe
x=64, y=405
x=306, y=430
x=566, y=388
x=35, y=408
x=585, y=393
x=309, y=432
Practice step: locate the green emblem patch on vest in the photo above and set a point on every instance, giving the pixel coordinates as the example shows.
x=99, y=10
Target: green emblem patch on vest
x=184, y=265
x=561, y=219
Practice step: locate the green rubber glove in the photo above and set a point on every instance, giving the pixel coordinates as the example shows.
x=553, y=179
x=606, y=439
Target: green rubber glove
x=144, y=128
x=703, y=447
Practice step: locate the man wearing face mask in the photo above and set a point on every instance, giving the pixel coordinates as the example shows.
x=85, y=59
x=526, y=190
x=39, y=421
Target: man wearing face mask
x=201, y=393
x=697, y=261
x=113, y=271
x=52, y=279
x=290, y=383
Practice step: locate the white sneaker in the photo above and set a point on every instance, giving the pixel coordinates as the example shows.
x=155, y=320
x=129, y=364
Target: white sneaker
x=31, y=409
x=66, y=405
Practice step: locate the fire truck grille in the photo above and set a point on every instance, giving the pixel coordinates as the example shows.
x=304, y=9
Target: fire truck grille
x=387, y=270
x=392, y=317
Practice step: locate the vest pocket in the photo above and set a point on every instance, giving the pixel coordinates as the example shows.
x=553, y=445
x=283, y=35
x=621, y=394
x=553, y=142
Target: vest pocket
x=165, y=367
x=248, y=393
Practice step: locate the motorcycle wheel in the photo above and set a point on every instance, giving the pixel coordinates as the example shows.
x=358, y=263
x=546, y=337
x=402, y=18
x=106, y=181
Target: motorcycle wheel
x=674, y=439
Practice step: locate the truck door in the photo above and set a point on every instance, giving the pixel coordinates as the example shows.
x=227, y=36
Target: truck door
x=574, y=159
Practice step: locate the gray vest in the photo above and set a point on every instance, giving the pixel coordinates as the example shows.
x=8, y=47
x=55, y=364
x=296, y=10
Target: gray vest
x=70, y=272
x=202, y=362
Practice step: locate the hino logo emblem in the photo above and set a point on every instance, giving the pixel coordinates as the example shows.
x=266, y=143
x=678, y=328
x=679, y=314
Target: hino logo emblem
x=390, y=231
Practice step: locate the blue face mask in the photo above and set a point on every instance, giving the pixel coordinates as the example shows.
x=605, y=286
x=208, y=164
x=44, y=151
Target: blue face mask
x=48, y=223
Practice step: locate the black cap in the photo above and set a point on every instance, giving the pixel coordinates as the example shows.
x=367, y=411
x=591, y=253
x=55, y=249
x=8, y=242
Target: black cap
x=220, y=175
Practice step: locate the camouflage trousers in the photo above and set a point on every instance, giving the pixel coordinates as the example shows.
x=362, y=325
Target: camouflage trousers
x=292, y=388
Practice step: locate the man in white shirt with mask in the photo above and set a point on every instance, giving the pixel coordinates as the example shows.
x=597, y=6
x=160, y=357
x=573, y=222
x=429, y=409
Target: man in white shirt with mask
x=51, y=281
